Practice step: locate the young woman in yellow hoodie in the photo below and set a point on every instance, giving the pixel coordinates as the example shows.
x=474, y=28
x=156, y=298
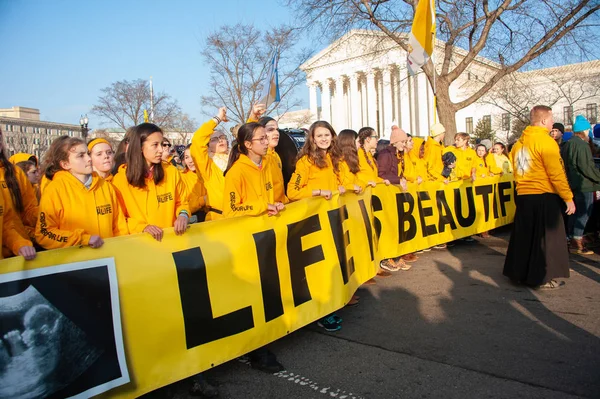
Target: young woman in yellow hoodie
x=416, y=155
x=19, y=194
x=154, y=196
x=248, y=185
x=317, y=171
x=103, y=158
x=367, y=142
x=78, y=207
x=194, y=185
x=274, y=166
x=349, y=167
x=210, y=152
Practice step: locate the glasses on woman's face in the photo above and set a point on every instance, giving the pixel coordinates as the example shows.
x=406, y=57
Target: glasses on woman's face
x=166, y=145
x=375, y=137
x=215, y=139
x=263, y=139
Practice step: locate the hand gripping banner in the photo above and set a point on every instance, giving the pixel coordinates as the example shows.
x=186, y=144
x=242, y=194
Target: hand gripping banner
x=137, y=314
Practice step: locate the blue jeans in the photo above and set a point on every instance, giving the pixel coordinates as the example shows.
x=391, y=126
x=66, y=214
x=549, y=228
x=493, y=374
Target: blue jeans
x=584, y=203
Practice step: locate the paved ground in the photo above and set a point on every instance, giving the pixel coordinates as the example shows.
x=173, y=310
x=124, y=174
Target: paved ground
x=452, y=327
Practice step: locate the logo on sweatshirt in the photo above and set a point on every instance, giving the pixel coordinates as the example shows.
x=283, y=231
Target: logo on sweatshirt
x=269, y=186
x=238, y=208
x=297, y=183
x=522, y=161
x=104, y=209
x=162, y=198
x=45, y=232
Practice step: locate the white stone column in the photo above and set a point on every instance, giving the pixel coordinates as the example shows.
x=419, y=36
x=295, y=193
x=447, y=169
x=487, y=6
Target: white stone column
x=364, y=116
x=404, y=100
x=371, y=100
x=314, y=110
x=339, y=109
x=355, y=103
x=424, y=117
x=325, y=101
x=386, y=74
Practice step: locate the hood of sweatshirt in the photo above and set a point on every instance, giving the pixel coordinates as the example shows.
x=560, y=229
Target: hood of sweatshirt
x=417, y=142
x=531, y=131
x=68, y=178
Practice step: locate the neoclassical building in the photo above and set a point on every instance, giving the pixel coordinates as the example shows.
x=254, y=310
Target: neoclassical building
x=361, y=80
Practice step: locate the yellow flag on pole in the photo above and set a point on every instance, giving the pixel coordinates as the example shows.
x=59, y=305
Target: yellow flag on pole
x=421, y=37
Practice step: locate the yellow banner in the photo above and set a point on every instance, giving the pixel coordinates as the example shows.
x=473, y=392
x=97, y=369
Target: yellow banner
x=137, y=314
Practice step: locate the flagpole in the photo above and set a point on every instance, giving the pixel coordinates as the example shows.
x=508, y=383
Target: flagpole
x=151, y=101
x=434, y=72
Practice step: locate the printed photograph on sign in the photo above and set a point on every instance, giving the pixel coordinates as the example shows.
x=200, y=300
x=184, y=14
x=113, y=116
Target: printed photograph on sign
x=60, y=331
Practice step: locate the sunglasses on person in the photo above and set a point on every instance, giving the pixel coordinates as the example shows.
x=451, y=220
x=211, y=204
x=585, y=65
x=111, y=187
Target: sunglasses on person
x=224, y=138
x=166, y=145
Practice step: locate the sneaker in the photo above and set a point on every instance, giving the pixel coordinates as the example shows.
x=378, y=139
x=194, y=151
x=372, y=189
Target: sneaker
x=337, y=319
x=468, y=239
x=352, y=302
x=551, y=285
x=410, y=257
x=402, y=265
x=420, y=251
x=329, y=324
x=440, y=246
x=426, y=249
x=201, y=387
x=264, y=360
x=388, y=265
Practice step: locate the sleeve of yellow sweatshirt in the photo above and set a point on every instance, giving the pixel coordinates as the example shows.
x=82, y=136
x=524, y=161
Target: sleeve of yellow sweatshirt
x=238, y=201
x=555, y=169
x=410, y=173
x=197, y=198
x=12, y=239
x=199, y=148
x=433, y=164
x=30, y=202
x=490, y=159
x=47, y=231
x=298, y=185
x=181, y=197
x=119, y=222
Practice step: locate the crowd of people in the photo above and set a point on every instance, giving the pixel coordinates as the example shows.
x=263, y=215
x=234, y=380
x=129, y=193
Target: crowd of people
x=82, y=193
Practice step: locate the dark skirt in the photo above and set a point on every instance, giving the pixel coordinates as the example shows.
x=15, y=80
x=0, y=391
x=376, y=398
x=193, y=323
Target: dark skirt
x=537, y=250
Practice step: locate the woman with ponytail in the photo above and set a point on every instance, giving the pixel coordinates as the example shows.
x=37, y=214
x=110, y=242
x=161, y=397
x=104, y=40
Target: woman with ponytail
x=195, y=187
x=367, y=142
x=78, y=207
x=154, y=196
x=248, y=186
x=20, y=196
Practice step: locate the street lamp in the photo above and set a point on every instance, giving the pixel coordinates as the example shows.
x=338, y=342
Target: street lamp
x=83, y=121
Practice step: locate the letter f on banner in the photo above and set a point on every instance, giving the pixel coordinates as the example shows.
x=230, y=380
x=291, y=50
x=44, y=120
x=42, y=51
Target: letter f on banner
x=421, y=37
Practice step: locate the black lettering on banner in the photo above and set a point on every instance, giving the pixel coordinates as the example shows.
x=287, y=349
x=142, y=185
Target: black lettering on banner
x=376, y=206
x=406, y=217
x=200, y=325
x=444, y=211
x=495, y=201
x=300, y=259
x=341, y=240
x=266, y=250
x=367, y=221
x=470, y=219
x=485, y=192
x=504, y=198
x=427, y=229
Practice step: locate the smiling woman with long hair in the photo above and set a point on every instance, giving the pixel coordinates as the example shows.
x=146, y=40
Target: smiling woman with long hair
x=78, y=207
x=154, y=196
x=317, y=169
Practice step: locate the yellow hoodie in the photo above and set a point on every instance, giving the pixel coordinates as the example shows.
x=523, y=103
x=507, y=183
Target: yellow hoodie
x=24, y=224
x=70, y=213
x=308, y=177
x=499, y=163
x=273, y=167
x=9, y=237
x=248, y=189
x=481, y=168
x=538, y=166
x=195, y=189
x=466, y=161
x=211, y=174
x=157, y=205
x=348, y=179
x=433, y=159
x=419, y=165
x=368, y=167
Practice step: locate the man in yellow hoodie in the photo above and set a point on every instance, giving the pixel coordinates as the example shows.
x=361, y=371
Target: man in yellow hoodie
x=434, y=147
x=537, y=251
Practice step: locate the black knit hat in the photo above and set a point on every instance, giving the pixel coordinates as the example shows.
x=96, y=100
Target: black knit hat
x=560, y=127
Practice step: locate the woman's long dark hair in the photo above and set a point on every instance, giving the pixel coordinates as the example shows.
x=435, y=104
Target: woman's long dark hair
x=264, y=120
x=347, y=144
x=484, y=160
x=314, y=154
x=363, y=134
x=10, y=177
x=245, y=133
x=137, y=170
